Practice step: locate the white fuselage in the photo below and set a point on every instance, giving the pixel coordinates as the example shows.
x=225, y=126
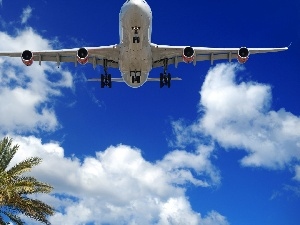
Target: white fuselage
x=135, y=42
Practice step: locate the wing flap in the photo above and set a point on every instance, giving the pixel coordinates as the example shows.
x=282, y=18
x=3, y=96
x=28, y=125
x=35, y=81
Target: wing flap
x=73, y=59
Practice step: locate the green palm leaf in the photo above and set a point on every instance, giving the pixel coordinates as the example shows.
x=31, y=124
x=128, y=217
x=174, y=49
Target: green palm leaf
x=15, y=188
x=14, y=218
x=24, y=166
x=6, y=152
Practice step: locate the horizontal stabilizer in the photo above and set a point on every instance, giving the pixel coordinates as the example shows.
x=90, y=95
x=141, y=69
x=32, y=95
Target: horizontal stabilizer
x=121, y=79
x=158, y=79
x=112, y=79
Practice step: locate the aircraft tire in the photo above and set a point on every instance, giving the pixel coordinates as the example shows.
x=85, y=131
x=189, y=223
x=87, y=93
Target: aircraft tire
x=161, y=80
x=102, y=81
x=109, y=80
x=169, y=80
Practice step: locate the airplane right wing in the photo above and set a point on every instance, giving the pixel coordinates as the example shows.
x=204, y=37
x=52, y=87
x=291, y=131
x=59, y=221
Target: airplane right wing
x=177, y=54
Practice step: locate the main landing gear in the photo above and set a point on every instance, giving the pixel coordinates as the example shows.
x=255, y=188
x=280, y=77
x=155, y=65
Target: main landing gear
x=136, y=38
x=135, y=76
x=105, y=78
x=165, y=78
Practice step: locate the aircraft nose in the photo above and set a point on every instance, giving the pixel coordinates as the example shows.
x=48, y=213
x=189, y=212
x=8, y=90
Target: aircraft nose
x=133, y=2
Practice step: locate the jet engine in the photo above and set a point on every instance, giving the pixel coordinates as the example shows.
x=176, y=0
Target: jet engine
x=82, y=56
x=243, y=55
x=188, y=55
x=27, y=57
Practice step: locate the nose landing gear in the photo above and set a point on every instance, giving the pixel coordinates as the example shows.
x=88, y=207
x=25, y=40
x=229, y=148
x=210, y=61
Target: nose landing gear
x=136, y=38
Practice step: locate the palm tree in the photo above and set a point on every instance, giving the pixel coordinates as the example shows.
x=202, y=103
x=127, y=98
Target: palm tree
x=15, y=188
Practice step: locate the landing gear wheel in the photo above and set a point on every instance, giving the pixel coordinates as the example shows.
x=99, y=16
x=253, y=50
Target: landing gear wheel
x=138, y=79
x=169, y=80
x=136, y=40
x=161, y=80
x=109, y=80
x=165, y=79
x=106, y=80
x=102, y=81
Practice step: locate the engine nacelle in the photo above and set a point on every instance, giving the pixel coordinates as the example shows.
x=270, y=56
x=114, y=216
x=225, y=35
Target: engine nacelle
x=27, y=57
x=82, y=56
x=243, y=55
x=188, y=55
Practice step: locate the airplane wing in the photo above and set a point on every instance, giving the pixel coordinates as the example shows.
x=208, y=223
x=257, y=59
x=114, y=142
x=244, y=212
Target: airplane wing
x=175, y=55
x=96, y=55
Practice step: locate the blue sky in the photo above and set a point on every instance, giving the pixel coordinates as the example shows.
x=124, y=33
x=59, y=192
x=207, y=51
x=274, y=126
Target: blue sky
x=222, y=146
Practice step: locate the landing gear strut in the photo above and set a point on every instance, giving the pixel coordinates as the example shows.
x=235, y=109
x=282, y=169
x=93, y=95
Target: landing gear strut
x=136, y=38
x=105, y=78
x=165, y=78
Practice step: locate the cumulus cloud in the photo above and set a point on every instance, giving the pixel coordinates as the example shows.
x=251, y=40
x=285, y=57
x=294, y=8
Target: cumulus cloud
x=118, y=186
x=297, y=173
x=238, y=115
x=26, y=14
x=25, y=91
x=199, y=161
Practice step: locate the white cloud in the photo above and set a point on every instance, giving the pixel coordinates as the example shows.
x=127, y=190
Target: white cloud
x=297, y=173
x=238, y=115
x=198, y=161
x=213, y=218
x=26, y=14
x=25, y=91
x=118, y=186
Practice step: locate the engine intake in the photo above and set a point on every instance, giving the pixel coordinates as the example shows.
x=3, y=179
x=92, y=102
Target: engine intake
x=188, y=54
x=82, y=56
x=27, y=57
x=243, y=55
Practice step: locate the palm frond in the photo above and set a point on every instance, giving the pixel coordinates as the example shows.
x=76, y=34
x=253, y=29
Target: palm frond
x=24, y=166
x=34, y=209
x=6, y=152
x=1, y=220
x=30, y=185
x=15, y=188
x=14, y=218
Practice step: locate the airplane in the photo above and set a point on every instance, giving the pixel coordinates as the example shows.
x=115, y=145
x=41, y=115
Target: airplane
x=136, y=55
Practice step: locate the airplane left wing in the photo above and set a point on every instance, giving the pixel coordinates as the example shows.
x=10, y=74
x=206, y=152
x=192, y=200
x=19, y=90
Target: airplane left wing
x=177, y=54
x=92, y=55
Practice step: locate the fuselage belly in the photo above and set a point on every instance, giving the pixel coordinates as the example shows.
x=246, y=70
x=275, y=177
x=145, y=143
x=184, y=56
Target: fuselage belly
x=135, y=60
